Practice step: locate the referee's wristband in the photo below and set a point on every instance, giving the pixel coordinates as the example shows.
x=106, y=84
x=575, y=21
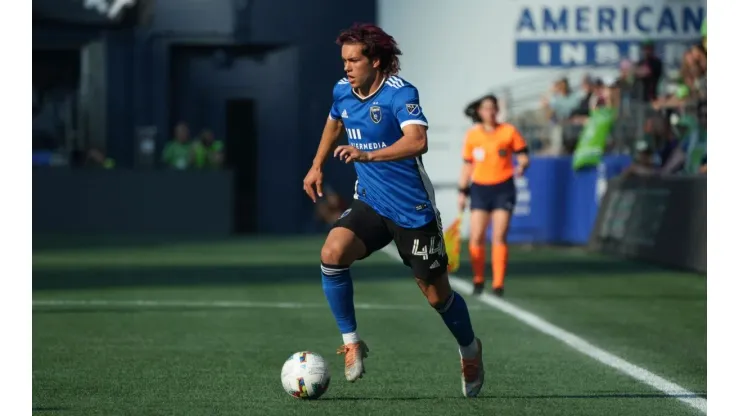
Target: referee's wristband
x=464, y=191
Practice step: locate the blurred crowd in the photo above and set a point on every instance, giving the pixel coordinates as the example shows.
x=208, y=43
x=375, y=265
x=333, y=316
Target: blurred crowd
x=660, y=113
x=181, y=153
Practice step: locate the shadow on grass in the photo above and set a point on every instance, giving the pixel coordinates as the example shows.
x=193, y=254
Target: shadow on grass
x=101, y=277
x=303, y=267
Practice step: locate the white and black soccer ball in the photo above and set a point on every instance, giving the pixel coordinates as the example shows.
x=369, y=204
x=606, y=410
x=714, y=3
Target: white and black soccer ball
x=305, y=375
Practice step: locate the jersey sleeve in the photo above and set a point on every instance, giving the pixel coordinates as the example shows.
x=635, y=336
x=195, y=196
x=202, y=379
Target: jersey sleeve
x=467, y=152
x=334, y=111
x=518, y=144
x=407, y=108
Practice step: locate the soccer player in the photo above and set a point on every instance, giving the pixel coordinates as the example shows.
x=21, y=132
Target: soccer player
x=488, y=178
x=394, y=200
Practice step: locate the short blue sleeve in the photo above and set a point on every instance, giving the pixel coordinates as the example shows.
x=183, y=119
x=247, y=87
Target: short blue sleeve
x=407, y=108
x=334, y=111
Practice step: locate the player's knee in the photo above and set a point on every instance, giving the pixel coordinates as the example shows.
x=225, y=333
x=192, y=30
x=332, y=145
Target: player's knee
x=331, y=253
x=438, y=293
x=436, y=302
x=433, y=297
x=440, y=302
x=336, y=253
x=499, y=236
x=477, y=236
x=497, y=239
x=477, y=239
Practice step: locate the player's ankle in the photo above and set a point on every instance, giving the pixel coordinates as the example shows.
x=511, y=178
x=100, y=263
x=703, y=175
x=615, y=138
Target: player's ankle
x=350, y=338
x=469, y=352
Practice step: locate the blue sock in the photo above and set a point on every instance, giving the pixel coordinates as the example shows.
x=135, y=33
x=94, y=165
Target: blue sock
x=455, y=315
x=337, y=285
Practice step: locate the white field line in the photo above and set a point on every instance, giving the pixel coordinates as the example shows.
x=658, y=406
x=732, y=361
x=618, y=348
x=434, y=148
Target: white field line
x=215, y=304
x=579, y=344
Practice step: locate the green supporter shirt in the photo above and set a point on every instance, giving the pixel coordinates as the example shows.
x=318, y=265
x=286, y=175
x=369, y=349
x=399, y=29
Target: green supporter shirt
x=176, y=155
x=204, y=154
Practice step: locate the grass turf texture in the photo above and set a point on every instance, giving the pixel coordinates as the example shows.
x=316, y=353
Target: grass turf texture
x=182, y=353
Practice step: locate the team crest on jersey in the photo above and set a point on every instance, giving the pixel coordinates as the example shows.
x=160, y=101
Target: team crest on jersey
x=375, y=114
x=413, y=109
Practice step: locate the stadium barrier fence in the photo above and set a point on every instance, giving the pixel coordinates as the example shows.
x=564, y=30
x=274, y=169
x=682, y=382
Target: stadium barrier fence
x=657, y=219
x=68, y=201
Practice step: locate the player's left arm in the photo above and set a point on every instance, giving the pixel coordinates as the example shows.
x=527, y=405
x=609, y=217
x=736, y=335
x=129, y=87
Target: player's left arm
x=519, y=146
x=413, y=143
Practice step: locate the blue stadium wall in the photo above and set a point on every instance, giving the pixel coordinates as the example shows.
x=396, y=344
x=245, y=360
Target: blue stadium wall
x=153, y=80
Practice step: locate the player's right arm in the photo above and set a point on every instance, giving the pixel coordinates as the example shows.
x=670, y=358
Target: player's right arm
x=315, y=175
x=332, y=131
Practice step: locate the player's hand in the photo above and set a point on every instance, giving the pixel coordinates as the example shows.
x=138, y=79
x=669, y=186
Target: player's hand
x=314, y=178
x=462, y=200
x=351, y=154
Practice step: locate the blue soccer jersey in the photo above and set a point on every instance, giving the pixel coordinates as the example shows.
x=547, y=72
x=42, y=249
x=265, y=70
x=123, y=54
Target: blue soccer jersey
x=398, y=190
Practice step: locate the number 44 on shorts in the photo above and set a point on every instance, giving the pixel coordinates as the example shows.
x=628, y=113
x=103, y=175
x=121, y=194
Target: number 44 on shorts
x=425, y=251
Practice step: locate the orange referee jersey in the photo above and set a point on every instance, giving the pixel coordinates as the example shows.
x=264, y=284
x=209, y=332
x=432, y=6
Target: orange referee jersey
x=491, y=152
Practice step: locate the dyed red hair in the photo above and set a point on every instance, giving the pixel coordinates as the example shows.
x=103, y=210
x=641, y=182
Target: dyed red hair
x=375, y=44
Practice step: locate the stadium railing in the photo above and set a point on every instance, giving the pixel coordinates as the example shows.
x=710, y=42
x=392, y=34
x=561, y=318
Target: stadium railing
x=560, y=138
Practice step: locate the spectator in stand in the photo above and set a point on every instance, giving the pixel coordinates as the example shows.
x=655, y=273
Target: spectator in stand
x=655, y=149
x=601, y=94
x=561, y=101
x=588, y=99
x=691, y=71
x=648, y=72
x=178, y=153
x=673, y=91
x=699, y=53
x=580, y=114
x=557, y=106
x=208, y=152
x=643, y=163
x=626, y=84
x=662, y=138
x=689, y=83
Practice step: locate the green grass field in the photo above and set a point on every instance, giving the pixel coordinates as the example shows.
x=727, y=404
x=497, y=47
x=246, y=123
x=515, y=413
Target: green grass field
x=203, y=327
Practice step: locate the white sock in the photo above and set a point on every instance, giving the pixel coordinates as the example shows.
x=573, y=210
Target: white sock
x=471, y=351
x=351, y=338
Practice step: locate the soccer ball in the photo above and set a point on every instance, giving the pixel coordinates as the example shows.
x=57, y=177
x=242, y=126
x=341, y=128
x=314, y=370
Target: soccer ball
x=305, y=375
